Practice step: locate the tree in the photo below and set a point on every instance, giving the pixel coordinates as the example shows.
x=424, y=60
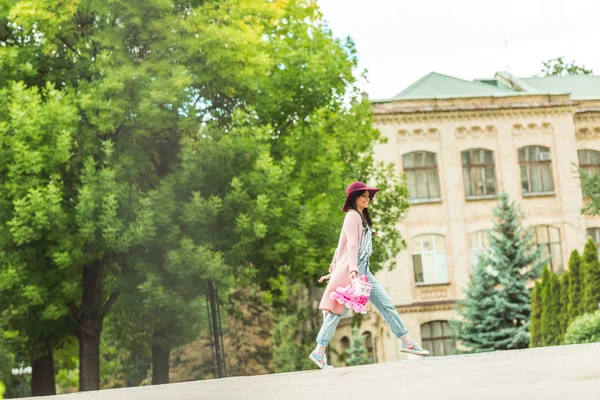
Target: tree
x=565, y=282
x=560, y=67
x=36, y=141
x=496, y=311
x=216, y=133
x=584, y=329
x=576, y=284
x=290, y=347
x=536, y=314
x=135, y=89
x=477, y=328
x=590, y=185
x=7, y=362
x=591, y=278
x=550, y=317
x=357, y=353
x=249, y=338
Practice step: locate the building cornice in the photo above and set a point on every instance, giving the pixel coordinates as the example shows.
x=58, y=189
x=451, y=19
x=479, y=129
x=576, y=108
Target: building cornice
x=587, y=125
x=441, y=305
x=472, y=113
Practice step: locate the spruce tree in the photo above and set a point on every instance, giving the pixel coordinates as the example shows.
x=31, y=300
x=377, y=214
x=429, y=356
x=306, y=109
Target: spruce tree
x=497, y=308
x=357, y=353
x=576, y=282
x=536, y=313
x=565, y=282
x=477, y=328
x=591, y=278
x=550, y=318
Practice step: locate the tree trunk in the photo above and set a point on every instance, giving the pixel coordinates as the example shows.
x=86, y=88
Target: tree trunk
x=89, y=354
x=216, y=329
x=160, y=362
x=42, y=376
x=90, y=317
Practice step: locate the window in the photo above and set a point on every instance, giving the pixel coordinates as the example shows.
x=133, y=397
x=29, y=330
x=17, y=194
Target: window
x=589, y=161
x=437, y=338
x=536, y=169
x=478, y=173
x=478, y=242
x=429, y=259
x=368, y=340
x=594, y=234
x=421, y=172
x=345, y=343
x=548, y=238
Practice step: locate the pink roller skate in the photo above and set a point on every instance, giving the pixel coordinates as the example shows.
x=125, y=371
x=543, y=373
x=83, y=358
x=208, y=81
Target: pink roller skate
x=354, y=296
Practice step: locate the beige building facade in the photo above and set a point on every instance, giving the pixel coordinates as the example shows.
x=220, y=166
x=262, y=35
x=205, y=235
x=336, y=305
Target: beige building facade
x=460, y=144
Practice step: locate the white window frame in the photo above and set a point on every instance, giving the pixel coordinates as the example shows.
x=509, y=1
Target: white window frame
x=440, y=273
x=549, y=245
x=543, y=163
x=482, y=245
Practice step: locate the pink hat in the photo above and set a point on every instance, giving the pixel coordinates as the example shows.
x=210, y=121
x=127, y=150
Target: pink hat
x=357, y=187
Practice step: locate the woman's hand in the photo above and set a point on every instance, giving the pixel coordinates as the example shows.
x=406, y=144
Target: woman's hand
x=353, y=275
x=324, y=278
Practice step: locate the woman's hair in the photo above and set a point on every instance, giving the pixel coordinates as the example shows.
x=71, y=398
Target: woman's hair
x=366, y=217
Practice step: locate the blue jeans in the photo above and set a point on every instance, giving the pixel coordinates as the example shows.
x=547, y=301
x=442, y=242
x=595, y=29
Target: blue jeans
x=380, y=300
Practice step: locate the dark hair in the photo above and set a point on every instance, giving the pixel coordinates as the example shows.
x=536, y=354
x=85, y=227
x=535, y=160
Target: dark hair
x=366, y=217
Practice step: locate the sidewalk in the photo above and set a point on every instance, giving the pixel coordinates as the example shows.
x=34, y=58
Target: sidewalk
x=565, y=372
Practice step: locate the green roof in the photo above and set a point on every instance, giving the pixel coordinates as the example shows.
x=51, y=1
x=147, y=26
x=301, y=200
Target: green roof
x=581, y=87
x=439, y=86
x=434, y=85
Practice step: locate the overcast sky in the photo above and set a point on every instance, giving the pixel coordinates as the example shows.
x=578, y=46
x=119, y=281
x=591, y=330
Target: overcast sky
x=399, y=41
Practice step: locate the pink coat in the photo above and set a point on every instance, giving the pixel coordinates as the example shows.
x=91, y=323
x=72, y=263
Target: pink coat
x=345, y=260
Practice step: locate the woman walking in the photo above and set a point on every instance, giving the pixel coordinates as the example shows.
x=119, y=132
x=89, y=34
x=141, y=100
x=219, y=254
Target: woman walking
x=351, y=259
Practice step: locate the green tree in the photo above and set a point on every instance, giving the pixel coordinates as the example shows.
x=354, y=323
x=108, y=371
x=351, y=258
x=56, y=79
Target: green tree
x=536, y=314
x=36, y=128
x=496, y=311
x=7, y=361
x=249, y=338
x=550, y=318
x=287, y=339
x=565, y=282
x=233, y=114
x=576, y=285
x=584, y=329
x=478, y=326
x=560, y=67
x=357, y=353
x=590, y=185
x=591, y=278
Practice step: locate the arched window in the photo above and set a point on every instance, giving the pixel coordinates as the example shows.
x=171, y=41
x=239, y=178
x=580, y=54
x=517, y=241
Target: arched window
x=536, y=170
x=421, y=172
x=437, y=338
x=479, y=175
x=368, y=339
x=548, y=238
x=345, y=343
x=429, y=259
x=343, y=353
x=589, y=161
x=478, y=243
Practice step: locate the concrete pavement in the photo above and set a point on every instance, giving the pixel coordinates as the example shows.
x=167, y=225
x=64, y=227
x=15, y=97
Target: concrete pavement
x=551, y=373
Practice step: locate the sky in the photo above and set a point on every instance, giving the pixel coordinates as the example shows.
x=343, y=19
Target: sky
x=400, y=41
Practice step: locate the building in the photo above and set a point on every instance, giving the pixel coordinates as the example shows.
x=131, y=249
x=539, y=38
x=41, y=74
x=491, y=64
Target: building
x=460, y=144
